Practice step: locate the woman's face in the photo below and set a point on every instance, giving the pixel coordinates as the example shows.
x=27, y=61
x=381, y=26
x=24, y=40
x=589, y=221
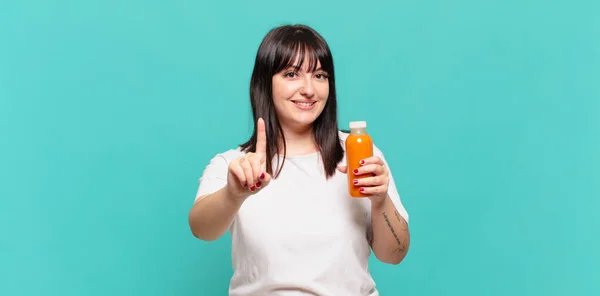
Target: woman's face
x=300, y=96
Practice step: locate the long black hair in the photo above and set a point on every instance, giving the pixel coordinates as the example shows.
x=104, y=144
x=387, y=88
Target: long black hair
x=279, y=50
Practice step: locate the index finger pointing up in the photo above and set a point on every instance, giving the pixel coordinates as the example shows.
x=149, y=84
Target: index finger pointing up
x=261, y=139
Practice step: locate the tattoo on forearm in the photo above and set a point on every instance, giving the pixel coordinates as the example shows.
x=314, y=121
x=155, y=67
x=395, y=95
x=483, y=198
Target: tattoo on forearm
x=401, y=220
x=400, y=246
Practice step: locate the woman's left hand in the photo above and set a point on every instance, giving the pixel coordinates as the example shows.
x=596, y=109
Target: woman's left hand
x=375, y=185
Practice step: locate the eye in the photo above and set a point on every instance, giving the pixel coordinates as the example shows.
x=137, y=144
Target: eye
x=322, y=76
x=291, y=74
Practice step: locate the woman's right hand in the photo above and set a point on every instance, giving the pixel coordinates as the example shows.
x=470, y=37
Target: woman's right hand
x=247, y=174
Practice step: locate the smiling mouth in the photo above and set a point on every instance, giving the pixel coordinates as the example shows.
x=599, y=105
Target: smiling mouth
x=304, y=104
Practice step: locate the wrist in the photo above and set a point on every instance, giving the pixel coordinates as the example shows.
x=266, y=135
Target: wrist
x=235, y=199
x=380, y=204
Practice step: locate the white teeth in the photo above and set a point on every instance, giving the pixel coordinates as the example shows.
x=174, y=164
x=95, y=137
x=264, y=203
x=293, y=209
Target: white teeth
x=305, y=104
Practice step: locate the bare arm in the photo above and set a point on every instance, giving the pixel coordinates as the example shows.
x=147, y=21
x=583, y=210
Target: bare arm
x=211, y=215
x=391, y=237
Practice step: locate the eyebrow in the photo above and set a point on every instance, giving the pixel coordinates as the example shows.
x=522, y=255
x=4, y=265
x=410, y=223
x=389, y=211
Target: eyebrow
x=298, y=68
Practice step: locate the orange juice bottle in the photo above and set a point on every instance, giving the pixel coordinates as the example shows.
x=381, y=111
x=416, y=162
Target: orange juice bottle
x=359, y=146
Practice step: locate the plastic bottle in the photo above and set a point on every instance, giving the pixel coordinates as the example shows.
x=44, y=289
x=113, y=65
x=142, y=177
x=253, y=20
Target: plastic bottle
x=359, y=146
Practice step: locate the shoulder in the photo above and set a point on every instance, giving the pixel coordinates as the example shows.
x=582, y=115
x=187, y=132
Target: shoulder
x=220, y=161
x=344, y=135
x=214, y=176
x=231, y=154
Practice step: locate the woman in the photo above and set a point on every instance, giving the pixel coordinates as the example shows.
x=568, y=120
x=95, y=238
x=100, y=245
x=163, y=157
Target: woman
x=284, y=194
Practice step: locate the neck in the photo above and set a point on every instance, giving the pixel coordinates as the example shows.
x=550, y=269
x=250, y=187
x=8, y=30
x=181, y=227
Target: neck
x=299, y=141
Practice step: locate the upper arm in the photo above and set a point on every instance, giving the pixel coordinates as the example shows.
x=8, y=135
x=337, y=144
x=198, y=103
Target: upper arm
x=214, y=176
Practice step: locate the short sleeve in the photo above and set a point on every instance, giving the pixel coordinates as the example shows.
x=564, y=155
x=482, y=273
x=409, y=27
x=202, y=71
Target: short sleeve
x=214, y=176
x=392, y=190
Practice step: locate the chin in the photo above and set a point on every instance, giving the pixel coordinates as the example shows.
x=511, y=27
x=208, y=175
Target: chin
x=302, y=121
x=306, y=118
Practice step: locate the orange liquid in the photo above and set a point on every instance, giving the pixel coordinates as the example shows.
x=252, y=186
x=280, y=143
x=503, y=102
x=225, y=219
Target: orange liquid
x=358, y=147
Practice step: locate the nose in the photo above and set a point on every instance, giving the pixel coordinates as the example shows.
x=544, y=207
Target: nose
x=307, y=88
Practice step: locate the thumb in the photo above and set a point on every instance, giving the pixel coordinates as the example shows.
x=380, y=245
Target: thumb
x=342, y=168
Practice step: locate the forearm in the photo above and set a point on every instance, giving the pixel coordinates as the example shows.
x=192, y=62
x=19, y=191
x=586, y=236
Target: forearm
x=391, y=237
x=211, y=216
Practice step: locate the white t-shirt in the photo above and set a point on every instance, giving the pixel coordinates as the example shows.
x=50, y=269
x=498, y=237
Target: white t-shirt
x=302, y=234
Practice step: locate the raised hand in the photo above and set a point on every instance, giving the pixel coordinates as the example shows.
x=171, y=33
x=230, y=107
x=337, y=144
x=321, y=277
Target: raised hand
x=247, y=174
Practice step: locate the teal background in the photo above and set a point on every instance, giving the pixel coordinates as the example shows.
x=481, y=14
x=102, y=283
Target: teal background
x=487, y=111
